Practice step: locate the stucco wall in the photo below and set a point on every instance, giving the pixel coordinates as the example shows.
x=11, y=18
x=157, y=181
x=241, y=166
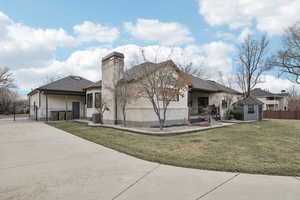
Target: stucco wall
x=33, y=100
x=55, y=103
x=140, y=111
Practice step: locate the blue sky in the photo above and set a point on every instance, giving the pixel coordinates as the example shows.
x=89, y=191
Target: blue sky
x=41, y=39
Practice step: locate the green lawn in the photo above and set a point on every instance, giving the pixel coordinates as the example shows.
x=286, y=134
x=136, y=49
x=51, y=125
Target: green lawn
x=267, y=147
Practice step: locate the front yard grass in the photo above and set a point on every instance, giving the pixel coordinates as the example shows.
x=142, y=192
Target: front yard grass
x=267, y=147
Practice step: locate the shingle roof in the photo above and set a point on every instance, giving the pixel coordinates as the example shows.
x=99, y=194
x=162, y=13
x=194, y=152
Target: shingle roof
x=69, y=83
x=78, y=84
x=249, y=100
x=98, y=84
x=209, y=85
x=137, y=71
x=258, y=92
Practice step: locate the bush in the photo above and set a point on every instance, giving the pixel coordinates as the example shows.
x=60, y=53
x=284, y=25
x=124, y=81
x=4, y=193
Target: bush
x=237, y=114
x=228, y=115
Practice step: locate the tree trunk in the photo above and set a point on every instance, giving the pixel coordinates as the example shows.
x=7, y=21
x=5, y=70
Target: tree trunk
x=124, y=116
x=161, y=124
x=101, y=118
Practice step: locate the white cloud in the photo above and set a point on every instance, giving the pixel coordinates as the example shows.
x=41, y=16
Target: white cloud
x=166, y=33
x=225, y=36
x=212, y=57
x=275, y=84
x=244, y=34
x=88, y=31
x=87, y=63
x=24, y=46
x=271, y=16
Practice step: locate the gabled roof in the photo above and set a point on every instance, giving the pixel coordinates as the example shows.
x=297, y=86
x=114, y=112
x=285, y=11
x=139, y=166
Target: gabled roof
x=248, y=101
x=67, y=84
x=258, y=92
x=137, y=71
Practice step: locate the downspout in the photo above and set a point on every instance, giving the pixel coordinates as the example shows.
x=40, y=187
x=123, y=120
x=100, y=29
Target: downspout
x=116, y=109
x=46, y=105
x=29, y=102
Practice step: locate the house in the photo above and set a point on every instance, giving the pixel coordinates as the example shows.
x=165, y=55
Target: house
x=200, y=94
x=62, y=99
x=272, y=101
x=250, y=108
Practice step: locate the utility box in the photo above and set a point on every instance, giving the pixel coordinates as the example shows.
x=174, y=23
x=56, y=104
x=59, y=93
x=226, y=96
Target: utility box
x=61, y=115
x=54, y=116
x=69, y=115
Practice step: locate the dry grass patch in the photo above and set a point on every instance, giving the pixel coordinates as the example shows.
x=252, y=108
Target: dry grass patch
x=267, y=147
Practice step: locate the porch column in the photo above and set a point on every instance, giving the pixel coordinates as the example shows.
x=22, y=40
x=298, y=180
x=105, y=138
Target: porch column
x=66, y=110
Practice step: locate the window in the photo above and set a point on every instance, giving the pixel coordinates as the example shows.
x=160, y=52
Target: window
x=270, y=98
x=97, y=99
x=89, y=100
x=251, y=109
x=202, y=101
x=224, y=103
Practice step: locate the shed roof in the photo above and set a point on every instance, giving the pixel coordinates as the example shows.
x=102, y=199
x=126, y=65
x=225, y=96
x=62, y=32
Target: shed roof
x=249, y=100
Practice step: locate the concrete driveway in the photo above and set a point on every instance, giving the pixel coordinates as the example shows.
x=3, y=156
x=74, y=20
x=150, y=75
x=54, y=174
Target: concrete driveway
x=40, y=162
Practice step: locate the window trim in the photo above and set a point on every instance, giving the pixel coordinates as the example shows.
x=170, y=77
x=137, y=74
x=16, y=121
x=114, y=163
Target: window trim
x=250, y=111
x=95, y=101
x=89, y=104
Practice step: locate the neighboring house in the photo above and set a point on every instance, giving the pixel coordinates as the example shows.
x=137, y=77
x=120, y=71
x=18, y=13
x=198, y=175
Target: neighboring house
x=198, y=96
x=272, y=101
x=61, y=99
x=251, y=108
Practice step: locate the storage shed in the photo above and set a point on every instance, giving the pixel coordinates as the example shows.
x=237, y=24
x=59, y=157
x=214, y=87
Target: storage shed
x=251, y=108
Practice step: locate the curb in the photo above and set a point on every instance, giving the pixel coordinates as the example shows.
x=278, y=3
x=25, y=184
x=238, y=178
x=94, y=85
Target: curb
x=153, y=133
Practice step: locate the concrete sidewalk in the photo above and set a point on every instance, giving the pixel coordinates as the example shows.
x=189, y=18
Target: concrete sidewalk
x=40, y=162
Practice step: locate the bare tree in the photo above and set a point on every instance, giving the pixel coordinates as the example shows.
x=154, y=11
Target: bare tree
x=189, y=67
x=293, y=99
x=52, y=78
x=101, y=107
x=293, y=93
x=228, y=81
x=251, y=63
x=162, y=86
x=7, y=100
x=184, y=64
x=287, y=60
x=6, y=80
x=126, y=93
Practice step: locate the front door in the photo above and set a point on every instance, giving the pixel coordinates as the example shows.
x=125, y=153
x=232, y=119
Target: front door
x=202, y=103
x=75, y=110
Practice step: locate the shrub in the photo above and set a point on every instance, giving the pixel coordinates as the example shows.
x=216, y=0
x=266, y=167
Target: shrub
x=237, y=114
